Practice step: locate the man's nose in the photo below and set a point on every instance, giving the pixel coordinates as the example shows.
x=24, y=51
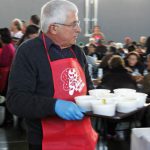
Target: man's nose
x=78, y=30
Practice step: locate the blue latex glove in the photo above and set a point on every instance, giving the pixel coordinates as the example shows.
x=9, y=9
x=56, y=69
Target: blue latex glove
x=68, y=110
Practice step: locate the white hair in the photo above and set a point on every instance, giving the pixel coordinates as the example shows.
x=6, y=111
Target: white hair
x=19, y=22
x=56, y=11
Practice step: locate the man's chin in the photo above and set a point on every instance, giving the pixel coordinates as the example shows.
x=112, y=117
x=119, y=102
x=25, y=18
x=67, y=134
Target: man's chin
x=74, y=42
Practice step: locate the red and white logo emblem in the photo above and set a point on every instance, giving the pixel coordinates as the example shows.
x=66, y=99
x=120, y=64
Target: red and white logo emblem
x=72, y=81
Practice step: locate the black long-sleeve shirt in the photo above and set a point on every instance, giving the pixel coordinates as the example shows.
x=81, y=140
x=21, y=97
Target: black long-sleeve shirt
x=30, y=88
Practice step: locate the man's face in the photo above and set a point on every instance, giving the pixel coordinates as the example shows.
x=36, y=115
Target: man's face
x=67, y=35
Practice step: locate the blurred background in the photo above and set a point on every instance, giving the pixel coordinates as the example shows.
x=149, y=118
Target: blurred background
x=115, y=38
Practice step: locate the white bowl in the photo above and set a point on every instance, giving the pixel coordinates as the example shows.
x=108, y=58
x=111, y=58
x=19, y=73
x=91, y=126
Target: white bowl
x=2, y=99
x=105, y=110
x=126, y=106
x=98, y=93
x=141, y=99
x=124, y=91
x=85, y=102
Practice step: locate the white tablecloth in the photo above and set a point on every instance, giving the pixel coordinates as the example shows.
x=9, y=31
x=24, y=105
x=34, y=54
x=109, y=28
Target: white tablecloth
x=140, y=139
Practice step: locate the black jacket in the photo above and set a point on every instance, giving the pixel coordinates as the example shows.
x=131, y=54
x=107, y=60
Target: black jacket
x=117, y=78
x=30, y=87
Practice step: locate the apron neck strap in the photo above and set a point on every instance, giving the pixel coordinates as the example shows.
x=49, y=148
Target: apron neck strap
x=46, y=49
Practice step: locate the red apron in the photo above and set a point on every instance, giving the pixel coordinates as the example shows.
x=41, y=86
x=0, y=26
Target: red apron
x=58, y=134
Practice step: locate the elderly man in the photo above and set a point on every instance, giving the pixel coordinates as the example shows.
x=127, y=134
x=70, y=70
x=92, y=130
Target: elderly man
x=47, y=73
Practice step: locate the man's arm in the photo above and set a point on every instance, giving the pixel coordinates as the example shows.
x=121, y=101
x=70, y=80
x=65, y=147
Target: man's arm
x=21, y=97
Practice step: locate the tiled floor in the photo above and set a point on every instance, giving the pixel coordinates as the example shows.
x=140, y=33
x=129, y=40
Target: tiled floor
x=15, y=139
x=12, y=139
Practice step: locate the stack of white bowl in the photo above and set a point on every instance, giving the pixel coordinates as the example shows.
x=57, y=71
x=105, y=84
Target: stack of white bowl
x=122, y=100
x=141, y=99
x=126, y=101
x=107, y=109
x=93, y=102
x=129, y=100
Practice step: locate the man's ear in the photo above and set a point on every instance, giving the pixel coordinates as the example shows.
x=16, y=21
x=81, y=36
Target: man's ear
x=52, y=29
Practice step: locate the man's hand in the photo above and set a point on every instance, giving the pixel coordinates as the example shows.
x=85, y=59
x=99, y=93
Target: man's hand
x=68, y=110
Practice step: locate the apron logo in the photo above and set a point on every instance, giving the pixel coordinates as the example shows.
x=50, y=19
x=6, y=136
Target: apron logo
x=72, y=80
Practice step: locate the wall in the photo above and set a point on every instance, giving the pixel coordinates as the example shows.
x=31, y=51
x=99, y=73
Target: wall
x=117, y=18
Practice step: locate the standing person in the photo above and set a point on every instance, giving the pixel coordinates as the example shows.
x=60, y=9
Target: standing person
x=97, y=34
x=34, y=20
x=6, y=57
x=24, y=26
x=47, y=74
x=16, y=28
x=8, y=49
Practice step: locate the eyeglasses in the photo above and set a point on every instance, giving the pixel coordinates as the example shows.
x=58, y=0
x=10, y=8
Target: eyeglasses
x=74, y=25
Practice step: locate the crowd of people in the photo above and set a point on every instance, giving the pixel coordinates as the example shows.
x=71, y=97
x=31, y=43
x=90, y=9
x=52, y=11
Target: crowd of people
x=124, y=65
x=10, y=39
x=49, y=71
x=119, y=65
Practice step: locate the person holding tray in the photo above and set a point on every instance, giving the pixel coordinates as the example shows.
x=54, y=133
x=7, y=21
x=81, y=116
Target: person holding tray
x=47, y=73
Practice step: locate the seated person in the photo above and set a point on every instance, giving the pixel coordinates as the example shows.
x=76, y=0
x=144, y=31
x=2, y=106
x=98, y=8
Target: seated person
x=92, y=52
x=101, y=49
x=118, y=76
x=134, y=63
x=85, y=48
x=104, y=63
x=127, y=42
